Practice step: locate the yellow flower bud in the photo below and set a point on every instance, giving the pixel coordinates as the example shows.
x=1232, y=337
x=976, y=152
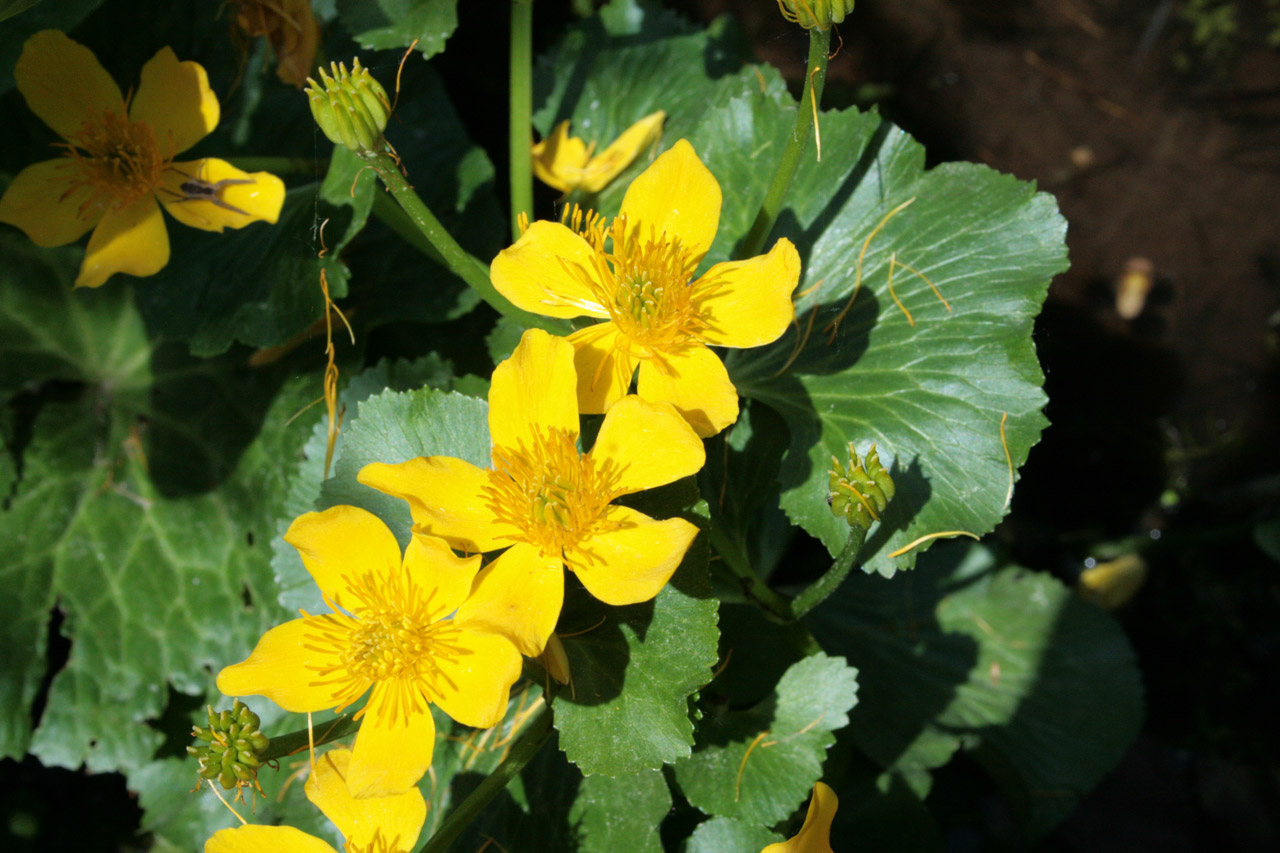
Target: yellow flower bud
x=351, y=108
x=815, y=13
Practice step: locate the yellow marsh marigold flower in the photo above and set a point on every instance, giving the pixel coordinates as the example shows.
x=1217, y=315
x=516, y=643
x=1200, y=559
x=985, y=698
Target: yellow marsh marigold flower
x=565, y=162
x=551, y=504
x=370, y=825
x=636, y=274
x=391, y=630
x=119, y=160
x=815, y=835
x=291, y=30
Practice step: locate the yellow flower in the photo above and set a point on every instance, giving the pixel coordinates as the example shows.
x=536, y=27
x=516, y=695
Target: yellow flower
x=565, y=162
x=119, y=160
x=636, y=273
x=370, y=825
x=391, y=630
x=550, y=503
x=815, y=835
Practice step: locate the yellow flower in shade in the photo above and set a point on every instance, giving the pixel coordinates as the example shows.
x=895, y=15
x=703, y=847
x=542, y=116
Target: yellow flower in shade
x=636, y=274
x=565, y=162
x=405, y=627
x=815, y=835
x=119, y=160
x=550, y=503
x=369, y=825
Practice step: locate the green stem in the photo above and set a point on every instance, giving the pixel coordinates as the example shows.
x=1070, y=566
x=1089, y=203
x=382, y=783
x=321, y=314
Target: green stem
x=324, y=732
x=280, y=165
x=520, y=755
x=456, y=258
x=817, y=592
x=521, y=130
x=819, y=41
x=753, y=587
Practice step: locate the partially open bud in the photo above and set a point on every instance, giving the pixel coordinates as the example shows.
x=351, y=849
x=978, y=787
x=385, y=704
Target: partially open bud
x=819, y=14
x=859, y=492
x=351, y=108
x=230, y=747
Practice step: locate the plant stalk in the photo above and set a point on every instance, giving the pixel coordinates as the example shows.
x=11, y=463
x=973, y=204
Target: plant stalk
x=753, y=587
x=815, y=77
x=521, y=131
x=817, y=592
x=521, y=754
x=324, y=732
x=456, y=258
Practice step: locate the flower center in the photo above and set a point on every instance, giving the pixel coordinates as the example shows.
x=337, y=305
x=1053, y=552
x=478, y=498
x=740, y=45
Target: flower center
x=645, y=285
x=119, y=160
x=552, y=495
x=394, y=637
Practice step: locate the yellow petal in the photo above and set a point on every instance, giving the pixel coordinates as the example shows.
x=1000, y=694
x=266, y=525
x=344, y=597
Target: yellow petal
x=132, y=240
x=175, y=99
x=389, y=755
x=443, y=576
x=632, y=562
x=604, y=367
x=474, y=687
x=622, y=152
x=339, y=543
x=815, y=835
x=534, y=390
x=279, y=669
x=518, y=595
x=559, y=159
x=446, y=498
x=748, y=303
x=696, y=383
x=255, y=838
x=211, y=195
x=544, y=272
x=41, y=202
x=63, y=82
x=676, y=196
x=397, y=820
x=649, y=444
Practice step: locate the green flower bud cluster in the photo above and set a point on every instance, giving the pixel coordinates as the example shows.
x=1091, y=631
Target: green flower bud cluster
x=819, y=14
x=859, y=492
x=230, y=746
x=351, y=108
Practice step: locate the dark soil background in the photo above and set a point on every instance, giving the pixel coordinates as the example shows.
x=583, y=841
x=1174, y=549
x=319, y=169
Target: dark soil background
x=1164, y=435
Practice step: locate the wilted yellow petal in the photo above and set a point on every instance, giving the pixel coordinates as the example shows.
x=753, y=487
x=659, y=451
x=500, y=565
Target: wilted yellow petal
x=254, y=838
x=559, y=159
x=621, y=153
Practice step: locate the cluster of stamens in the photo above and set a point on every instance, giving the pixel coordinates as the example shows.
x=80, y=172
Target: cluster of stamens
x=395, y=638
x=552, y=495
x=120, y=162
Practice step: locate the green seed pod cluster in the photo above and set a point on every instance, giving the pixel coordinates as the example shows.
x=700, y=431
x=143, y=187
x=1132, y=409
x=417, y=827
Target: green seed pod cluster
x=859, y=492
x=230, y=747
x=351, y=108
x=815, y=14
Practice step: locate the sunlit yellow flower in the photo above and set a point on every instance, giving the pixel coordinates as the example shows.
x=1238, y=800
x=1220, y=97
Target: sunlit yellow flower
x=551, y=504
x=391, y=630
x=815, y=835
x=291, y=30
x=565, y=162
x=636, y=273
x=119, y=160
x=369, y=825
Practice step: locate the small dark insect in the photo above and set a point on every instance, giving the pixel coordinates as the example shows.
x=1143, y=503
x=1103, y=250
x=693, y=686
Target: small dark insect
x=194, y=189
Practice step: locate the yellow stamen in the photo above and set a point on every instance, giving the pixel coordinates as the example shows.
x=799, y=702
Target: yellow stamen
x=120, y=162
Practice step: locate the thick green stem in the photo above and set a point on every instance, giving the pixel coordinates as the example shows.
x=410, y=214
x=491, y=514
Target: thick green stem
x=817, y=592
x=323, y=732
x=280, y=165
x=819, y=41
x=753, y=587
x=521, y=130
x=456, y=258
x=521, y=753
